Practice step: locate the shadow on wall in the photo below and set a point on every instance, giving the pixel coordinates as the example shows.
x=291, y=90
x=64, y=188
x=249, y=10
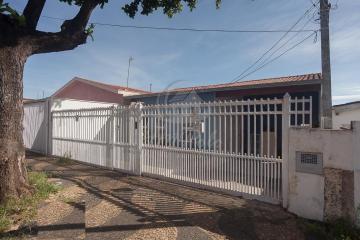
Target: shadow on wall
x=40, y=140
x=35, y=126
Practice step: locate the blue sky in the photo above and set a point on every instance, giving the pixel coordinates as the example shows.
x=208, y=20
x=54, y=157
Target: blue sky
x=178, y=59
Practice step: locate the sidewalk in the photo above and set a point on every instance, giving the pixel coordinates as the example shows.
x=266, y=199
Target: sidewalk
x=102, y=204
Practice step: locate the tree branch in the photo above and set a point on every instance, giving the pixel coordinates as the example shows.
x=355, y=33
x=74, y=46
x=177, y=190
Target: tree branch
x=79, y=22
x=32, y=12
x=56, y=42
x=72, y=32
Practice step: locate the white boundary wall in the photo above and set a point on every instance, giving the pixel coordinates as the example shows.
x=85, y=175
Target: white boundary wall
x=340, y=150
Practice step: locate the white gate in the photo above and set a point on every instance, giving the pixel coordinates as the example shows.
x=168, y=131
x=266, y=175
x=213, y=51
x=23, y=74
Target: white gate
x=101, y=136
x=83, y=135
x=233, y=146
x=36, y=126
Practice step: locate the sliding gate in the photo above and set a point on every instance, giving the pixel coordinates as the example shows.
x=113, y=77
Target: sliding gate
x=233, y=146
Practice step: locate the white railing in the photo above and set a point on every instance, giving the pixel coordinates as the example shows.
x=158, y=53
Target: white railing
x=259, y=177
x=234, y=146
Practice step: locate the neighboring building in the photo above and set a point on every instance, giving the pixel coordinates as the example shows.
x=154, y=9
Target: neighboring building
x=343, y=114
x=83, y=93
x=308, y=85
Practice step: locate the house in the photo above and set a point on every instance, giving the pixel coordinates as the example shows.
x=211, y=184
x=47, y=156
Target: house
x=84, y=93
x=78, y=93
x=308, y=85
x=343, y=114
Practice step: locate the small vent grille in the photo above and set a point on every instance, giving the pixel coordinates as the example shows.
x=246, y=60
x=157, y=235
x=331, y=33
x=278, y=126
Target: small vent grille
x=309, y=162
x=309, y=158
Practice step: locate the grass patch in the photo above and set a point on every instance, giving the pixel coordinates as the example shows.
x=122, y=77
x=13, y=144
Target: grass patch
x=65, y=159
x=22, y=211
x=339, y=229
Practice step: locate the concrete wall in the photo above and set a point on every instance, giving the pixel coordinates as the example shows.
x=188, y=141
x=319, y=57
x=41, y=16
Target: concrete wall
x=356, y=146
x=329, y=194
x=357, y=195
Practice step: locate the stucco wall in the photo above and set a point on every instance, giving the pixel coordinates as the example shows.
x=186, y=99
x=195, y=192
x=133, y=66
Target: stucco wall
x=317, y=196
x=357, y=195
x=356, y=146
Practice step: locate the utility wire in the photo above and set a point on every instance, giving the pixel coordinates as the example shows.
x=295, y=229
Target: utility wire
x=286, y=42
x=277, y=57
x=276, y=43
x=188, y=29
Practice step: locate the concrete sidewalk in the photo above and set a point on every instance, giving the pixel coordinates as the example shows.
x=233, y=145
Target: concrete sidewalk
x=103, y=204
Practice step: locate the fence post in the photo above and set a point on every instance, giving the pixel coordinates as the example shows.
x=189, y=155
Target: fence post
x=139, y=162
x=285, y=149
x=110, y=139
x=113, y=136
x=49, y=126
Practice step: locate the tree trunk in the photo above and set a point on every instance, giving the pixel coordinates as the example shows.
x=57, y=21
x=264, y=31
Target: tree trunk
x=13, y=175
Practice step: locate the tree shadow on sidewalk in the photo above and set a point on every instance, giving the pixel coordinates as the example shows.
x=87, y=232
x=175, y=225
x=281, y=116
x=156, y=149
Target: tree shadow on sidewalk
x=157, y=207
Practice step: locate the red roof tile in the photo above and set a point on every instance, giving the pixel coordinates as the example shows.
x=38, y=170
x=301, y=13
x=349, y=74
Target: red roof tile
x=253, y=83
x=109, y=87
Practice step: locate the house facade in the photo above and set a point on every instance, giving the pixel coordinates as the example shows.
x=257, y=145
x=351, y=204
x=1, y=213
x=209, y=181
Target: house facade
x=84, y=93
x=343, y=114
x=300, y=86
x=78, y=93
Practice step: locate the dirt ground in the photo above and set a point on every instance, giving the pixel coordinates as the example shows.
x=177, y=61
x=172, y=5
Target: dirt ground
x=101, y=204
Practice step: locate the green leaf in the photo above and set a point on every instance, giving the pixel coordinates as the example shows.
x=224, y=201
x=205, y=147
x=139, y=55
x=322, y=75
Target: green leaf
x=90, y=30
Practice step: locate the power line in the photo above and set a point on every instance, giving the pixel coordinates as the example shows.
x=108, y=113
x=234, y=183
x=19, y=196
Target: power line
x=188, y=29
x=285, y=43
x=276, y=43
x=277, y=57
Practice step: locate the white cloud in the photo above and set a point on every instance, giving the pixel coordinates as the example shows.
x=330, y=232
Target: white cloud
x=339, y=99
x=346, y=97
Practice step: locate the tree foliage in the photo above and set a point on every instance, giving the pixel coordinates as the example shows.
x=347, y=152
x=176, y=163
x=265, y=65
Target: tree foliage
x=170, y=7
x=17, y=27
